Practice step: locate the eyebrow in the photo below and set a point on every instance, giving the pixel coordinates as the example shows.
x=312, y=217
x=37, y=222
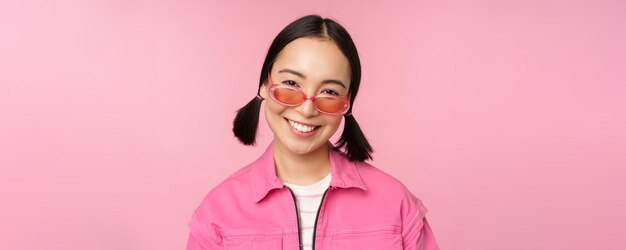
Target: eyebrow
x=327, y=81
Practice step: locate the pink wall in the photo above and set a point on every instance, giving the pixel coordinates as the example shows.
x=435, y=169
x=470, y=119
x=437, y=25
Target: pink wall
x=507, y=117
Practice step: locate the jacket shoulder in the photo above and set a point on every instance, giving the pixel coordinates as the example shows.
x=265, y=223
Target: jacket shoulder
x=232, y=191
x=379, y=181
x=217, y=203
x=236, y=183
x=381, y=184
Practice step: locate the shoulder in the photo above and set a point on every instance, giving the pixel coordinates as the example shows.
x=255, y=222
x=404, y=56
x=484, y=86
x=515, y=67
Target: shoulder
x=376, y=177
x=217, y=202
x=234, y=187
x=379, y=181
x=240, y=177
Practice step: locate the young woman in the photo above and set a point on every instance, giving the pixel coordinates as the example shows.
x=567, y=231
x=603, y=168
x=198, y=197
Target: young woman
x=304, y=192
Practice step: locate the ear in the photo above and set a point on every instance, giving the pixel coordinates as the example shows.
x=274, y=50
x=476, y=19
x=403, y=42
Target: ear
x=263, y=91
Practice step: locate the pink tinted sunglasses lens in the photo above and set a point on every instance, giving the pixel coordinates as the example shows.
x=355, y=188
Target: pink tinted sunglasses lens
x=292, y=97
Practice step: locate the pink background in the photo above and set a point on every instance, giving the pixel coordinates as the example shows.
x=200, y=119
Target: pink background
x=505, y=117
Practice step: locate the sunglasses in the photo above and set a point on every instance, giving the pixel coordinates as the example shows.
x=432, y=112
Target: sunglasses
x=292, y=96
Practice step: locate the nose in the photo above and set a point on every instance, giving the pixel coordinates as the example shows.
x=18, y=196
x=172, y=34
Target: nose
x=307, y=109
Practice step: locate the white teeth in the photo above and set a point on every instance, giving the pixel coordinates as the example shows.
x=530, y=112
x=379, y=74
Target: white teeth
x=300, y=127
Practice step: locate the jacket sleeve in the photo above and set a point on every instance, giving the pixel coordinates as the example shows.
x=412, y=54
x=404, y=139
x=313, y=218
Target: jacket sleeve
x=416, y=232
x=203, y=235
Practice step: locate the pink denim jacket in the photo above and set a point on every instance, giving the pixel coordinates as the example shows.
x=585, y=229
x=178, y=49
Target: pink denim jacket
x=364, y=208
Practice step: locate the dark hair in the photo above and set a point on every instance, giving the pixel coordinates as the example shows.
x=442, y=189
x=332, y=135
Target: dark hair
x=357, y=148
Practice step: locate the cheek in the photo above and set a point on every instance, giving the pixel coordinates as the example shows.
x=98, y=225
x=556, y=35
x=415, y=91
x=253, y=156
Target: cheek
x=273, y=109
x=334, y=122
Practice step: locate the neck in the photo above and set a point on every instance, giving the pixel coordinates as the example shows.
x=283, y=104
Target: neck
x=301, y=169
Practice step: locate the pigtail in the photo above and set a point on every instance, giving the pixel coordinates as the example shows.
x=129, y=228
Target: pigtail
x=357, y=147
x=247, y=121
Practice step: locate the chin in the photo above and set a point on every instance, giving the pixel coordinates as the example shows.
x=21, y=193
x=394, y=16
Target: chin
x=301, y=148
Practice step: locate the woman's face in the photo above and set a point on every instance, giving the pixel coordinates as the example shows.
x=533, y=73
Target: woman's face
x=305, y=63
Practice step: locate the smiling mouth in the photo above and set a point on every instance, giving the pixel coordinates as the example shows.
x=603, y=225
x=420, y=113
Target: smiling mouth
x=301, y=127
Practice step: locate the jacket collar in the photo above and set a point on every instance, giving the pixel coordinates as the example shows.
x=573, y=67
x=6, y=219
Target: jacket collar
x=344, y=172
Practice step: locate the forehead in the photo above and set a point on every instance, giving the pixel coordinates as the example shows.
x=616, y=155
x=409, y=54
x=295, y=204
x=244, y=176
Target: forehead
x=317, y=59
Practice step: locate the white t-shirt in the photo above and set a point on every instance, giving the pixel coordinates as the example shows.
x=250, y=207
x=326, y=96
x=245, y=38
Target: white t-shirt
x=308, y=198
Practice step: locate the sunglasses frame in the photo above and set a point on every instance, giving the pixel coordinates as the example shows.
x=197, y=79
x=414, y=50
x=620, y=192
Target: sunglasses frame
x=273, y=87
